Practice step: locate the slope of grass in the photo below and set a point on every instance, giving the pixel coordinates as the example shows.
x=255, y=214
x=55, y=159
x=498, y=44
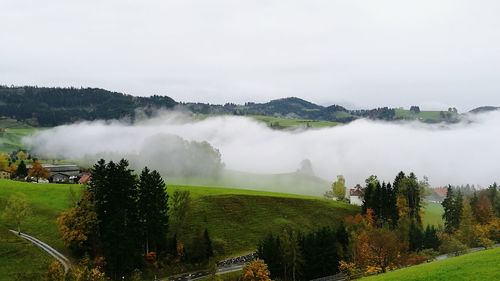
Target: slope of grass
x=284, y=183
x=286, y=123
x=425, y=116
x=47, y=201
x=10, y=138
x=433, y=213
x=483, y=265
x=19, y=257
x=236, y=218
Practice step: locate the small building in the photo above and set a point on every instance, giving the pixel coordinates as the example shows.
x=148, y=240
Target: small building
x=84, y=178
x=4, y=175
x=437, y=195
x=356, y=195
x=62, y=173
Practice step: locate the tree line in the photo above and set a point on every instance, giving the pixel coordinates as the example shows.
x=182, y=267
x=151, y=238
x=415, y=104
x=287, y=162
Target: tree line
x=122, y=223
x=304, y=256
x=387, y=234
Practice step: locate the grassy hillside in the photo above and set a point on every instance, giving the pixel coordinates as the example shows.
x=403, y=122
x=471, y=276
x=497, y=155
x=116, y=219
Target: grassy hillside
x=433, y=213
x=47, y=201
x=290, y=123
x=19, y=257
x=296, y=183
x=484, y=265
x=424, y=116
x=236, y=219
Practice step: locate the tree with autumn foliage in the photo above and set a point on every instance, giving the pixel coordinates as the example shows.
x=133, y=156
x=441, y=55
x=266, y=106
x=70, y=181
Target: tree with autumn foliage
x=256, y=271
x=18, y=209
x=37, y=171
x=378, y=248
x=55, y=272
x=78, y=225
x=4, y=162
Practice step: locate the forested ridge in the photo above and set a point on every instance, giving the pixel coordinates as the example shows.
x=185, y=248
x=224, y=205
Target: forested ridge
x=43, y=106
x=56, y=106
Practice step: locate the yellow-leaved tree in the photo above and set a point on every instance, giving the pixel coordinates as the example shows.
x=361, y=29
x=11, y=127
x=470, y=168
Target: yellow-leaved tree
x=256, y=271
x=18, y=209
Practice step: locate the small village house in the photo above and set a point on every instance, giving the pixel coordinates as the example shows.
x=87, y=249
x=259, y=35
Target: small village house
x=356, y=195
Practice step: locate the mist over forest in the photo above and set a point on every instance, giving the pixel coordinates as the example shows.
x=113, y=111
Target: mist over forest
x=180, y=145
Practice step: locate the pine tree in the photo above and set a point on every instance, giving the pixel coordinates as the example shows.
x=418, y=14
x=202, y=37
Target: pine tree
x=416, y=237
x=115, y=192
x=369, y=196
x=392, y=205
x=22, y=171
x=449, y=210
x=458, y=206
x=209, y=252
x=431, y=240
x=153, y=211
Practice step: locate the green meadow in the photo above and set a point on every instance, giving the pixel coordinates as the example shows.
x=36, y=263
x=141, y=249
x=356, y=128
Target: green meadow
x=481, y=266
x=290, y=123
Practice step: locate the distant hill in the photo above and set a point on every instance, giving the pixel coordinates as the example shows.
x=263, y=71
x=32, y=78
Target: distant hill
x=484, y=109
x=47, y=107
x=55, y=106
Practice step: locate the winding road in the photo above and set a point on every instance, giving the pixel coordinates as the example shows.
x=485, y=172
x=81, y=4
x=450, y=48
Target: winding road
x=51, y=251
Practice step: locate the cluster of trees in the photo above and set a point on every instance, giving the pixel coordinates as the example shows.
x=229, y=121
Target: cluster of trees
x=8, y=163
x=119, y=218
x=123, y=222
x=304, y=256
x=471, y=220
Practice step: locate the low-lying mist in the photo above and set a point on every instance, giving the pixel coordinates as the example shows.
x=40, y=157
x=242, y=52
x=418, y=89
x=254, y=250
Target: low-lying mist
x=467, y=152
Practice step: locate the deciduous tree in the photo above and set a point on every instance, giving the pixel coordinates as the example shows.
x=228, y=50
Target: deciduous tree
x=338, y=188
x=78, y=225
x=256, y=271
x=38, y=171
x=17, y=209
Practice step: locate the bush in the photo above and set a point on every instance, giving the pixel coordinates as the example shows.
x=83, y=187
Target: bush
x=451, y=245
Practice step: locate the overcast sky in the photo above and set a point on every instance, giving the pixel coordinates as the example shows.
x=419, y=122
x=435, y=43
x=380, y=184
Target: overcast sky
x=357, y=53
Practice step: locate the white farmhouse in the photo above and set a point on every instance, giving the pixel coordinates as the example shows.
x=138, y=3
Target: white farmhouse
x=356, y=195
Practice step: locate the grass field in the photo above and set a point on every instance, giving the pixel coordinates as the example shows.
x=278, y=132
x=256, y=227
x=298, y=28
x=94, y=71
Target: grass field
x=289, y=123
x=483, y=265
x=236, y=218
x=433, y=214
x=425, y=116
x=19, y=257
x=47, y=201
x=10, y=138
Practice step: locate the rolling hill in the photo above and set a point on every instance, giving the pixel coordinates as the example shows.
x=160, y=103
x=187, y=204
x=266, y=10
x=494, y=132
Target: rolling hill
x=47, y=107
x=236, y=218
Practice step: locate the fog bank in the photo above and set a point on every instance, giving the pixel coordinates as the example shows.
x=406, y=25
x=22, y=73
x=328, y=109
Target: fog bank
x=448, y=154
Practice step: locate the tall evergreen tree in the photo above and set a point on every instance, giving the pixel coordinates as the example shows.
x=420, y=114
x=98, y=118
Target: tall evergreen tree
x=22, y=171
x=209, y=251
x=449, y=210
x=115, y=192
x=269, y=250
x=369, y=198
x=416, y=237
x=153, y=211
x=458, y=206
x=431, y=240
x=414, y=198
x=392, y=206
